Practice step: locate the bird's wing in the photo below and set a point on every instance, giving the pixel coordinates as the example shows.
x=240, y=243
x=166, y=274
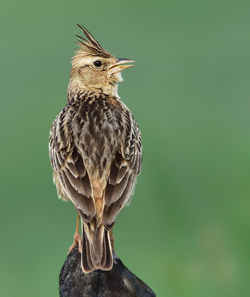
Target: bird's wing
x=125, y=167
x=69, y=172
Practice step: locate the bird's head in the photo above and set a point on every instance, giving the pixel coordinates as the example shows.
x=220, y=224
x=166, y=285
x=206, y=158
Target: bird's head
x=95, y=68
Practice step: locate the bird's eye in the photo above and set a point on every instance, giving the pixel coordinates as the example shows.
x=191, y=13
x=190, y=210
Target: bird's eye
x=98, y=63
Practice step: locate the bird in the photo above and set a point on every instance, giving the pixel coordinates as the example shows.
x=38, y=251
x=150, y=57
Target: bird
x=95, y=150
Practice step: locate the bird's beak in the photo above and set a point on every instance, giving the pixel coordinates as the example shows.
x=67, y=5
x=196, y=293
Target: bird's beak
x=119, y=65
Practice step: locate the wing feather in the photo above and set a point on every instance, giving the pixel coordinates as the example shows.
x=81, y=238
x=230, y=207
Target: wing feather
x=125, y=168
x=81, y=202
x=111, y=212
x=70, y=174
x=114, y=192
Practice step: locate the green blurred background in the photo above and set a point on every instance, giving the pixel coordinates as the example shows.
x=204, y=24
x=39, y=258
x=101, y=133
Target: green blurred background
x=186, y=232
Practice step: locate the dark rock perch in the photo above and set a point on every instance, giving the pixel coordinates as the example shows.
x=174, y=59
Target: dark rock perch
x=119, y=282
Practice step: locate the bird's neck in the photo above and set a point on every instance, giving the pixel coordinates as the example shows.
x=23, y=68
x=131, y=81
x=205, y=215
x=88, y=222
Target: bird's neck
x=77, y=90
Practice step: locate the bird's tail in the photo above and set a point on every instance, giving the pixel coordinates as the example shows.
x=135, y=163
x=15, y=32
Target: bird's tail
x=96, y=247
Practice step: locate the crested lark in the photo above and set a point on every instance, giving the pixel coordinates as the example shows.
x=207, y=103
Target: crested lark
x=95, y=150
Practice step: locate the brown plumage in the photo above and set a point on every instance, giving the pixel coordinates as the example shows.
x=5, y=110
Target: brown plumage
x=95, y=149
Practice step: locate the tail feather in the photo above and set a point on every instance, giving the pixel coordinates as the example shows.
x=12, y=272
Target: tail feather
x=96, y=248
x=107, y=259
x=86, y=261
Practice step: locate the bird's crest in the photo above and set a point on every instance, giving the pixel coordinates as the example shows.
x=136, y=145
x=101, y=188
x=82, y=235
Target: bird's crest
x=90, y=45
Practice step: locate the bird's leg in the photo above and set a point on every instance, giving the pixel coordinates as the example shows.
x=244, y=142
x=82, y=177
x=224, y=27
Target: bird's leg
x=77, y=238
